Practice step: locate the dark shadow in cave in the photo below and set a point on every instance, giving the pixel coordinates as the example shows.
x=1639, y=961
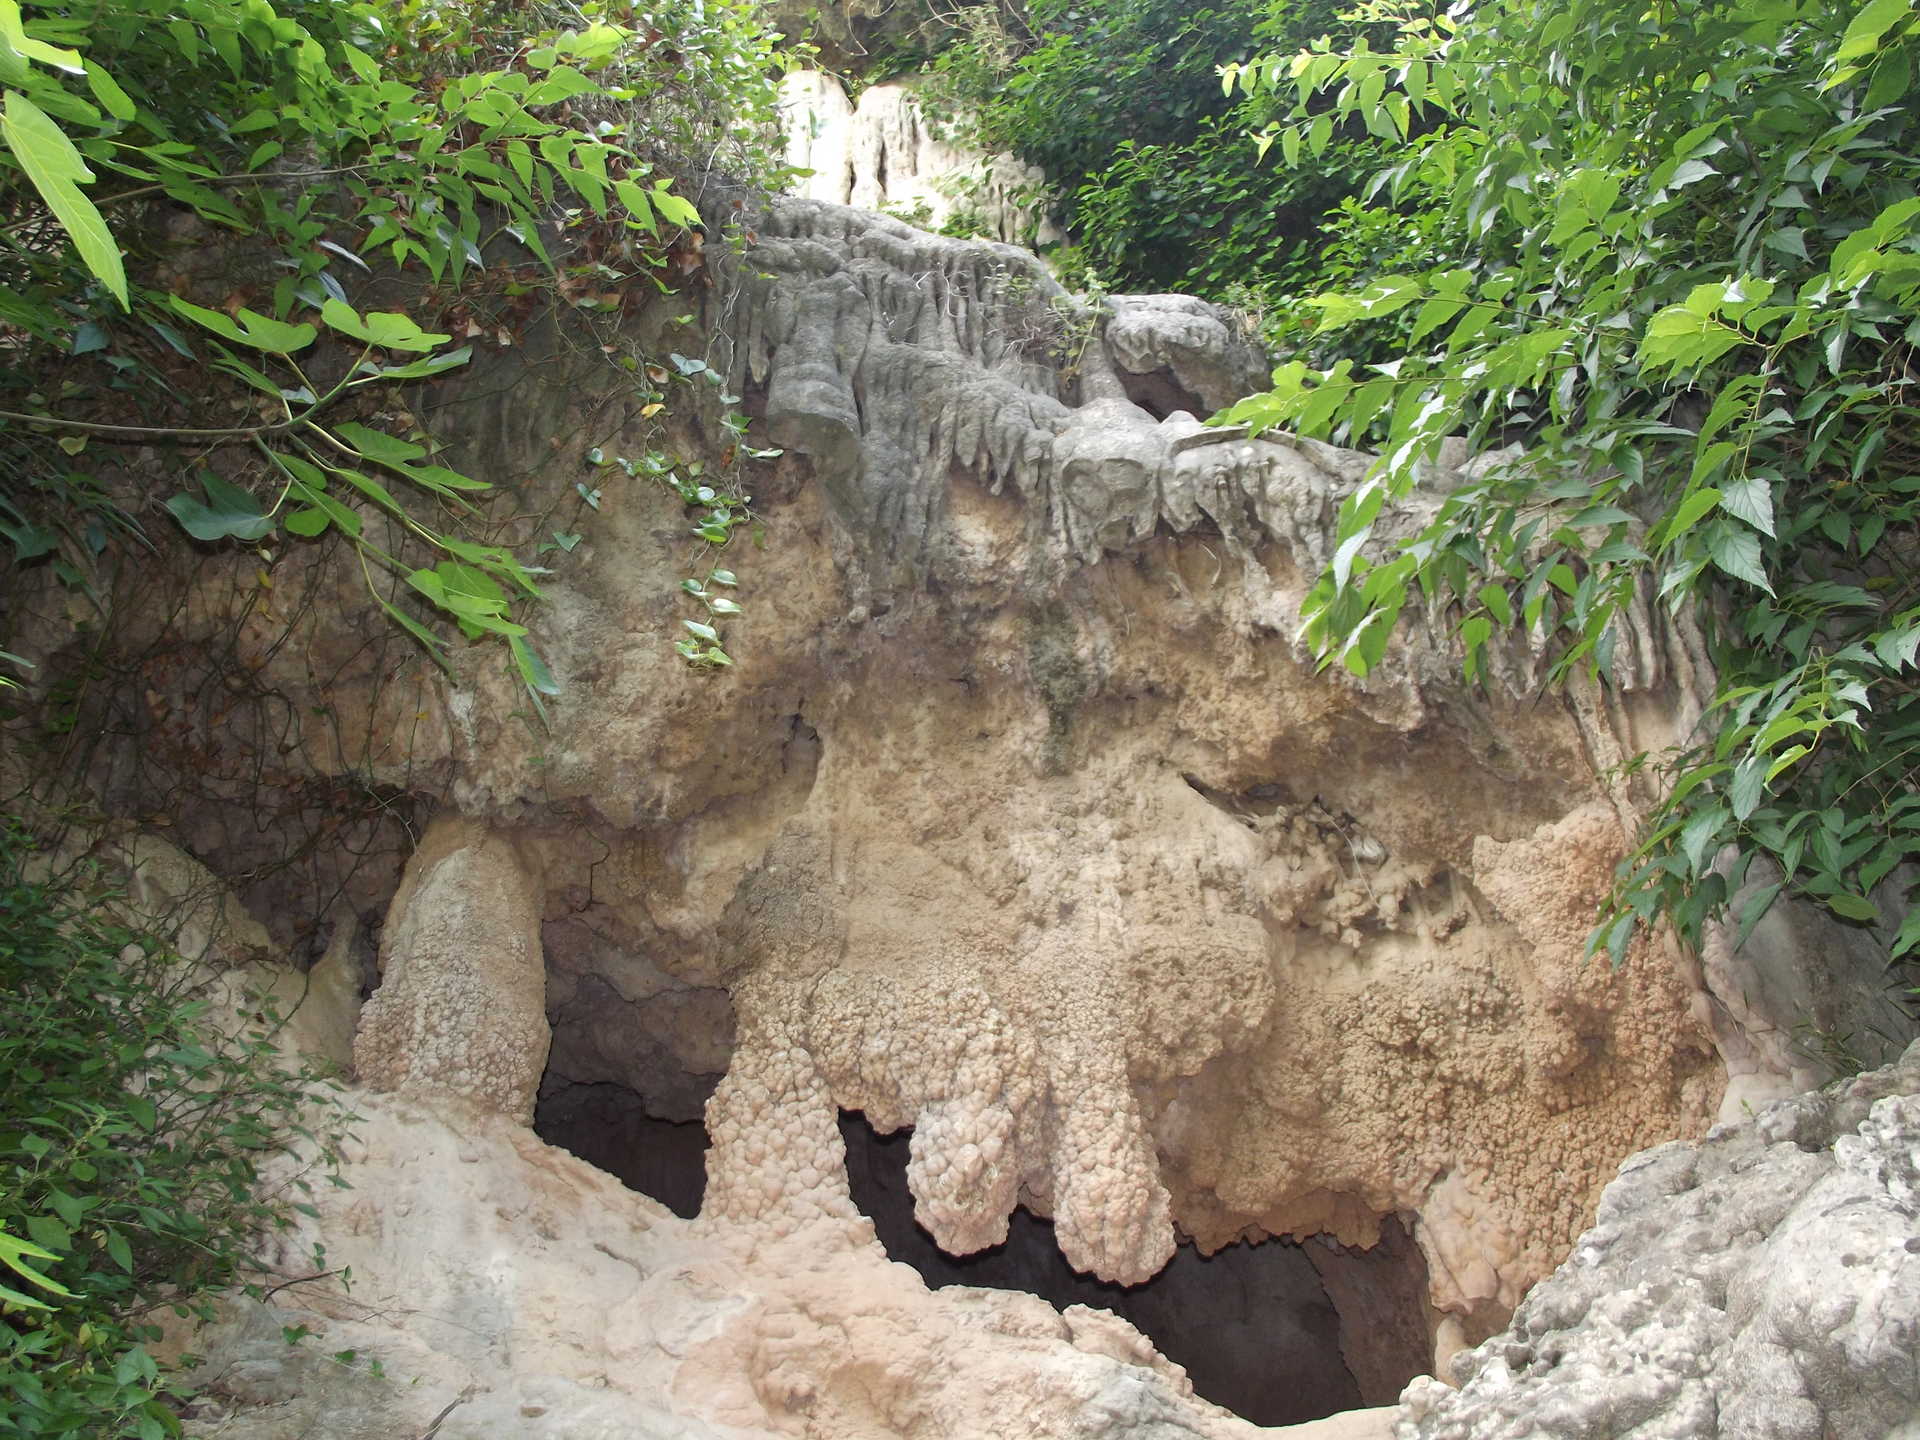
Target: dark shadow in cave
x=1252, y=1324
x=608, y=1126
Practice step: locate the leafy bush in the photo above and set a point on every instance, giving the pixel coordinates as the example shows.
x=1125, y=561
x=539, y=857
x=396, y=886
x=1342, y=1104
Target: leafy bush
x=352, y=182
x=1675, y=254
x=132, y=1135
x=1121, y=105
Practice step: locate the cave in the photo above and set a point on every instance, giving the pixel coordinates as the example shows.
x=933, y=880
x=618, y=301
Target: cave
x=608, y=1126
x=1278, y=1332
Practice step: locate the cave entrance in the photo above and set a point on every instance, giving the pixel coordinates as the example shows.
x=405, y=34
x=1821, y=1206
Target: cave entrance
x=1280, y=1333
x=609, y=1126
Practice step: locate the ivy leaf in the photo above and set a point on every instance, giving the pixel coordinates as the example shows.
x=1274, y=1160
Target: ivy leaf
x=262, y=332
x=417, y=369
x=385, y=328
x=229, y=512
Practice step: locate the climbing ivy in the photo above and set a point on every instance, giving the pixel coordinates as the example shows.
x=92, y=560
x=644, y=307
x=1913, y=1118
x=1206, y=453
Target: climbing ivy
x=1672, y=255
x=354, y=171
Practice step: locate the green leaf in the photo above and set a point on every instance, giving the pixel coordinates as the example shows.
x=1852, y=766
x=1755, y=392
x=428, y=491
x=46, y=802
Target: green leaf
x=306, y=523
x=533, y=670
x=276, y=337
x=1869, y=24
x=430, y=642
x=1749, y=498
x=57, y=171
x=229, y=513
x=1755, y=907
x=1737, y=551
x=108, y=92
x=1852, y=907
x=432, y=365
x=1749, y=786
x=377, y=445
x=1690, y=511
x=49, y=1232
x=385, y=328
x=14, y=36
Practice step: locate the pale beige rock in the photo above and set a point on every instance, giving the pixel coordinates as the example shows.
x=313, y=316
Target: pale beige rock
x=462, y=1003
x=501, y=1283
x=1022, y=819
x=882, y=154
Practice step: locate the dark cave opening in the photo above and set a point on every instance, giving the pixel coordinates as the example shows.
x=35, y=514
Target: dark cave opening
x=1278, y=1332
x=1160, y=394
x=607, y=1125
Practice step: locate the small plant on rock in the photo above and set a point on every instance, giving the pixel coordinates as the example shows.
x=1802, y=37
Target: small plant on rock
x=133, y=1134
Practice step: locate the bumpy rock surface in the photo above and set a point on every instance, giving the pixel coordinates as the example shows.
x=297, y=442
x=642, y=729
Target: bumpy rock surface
x=1021, y=820
x=1762, y=1284
x=882, y=154
x=505, y=1288
x=462, y=1006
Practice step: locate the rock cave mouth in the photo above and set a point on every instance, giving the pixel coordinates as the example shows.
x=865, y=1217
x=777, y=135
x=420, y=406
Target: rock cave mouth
x=1277, y=1332
x=609, y=1126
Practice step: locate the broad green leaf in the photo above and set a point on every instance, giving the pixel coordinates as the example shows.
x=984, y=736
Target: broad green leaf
x=1753, y=909
x=533, y=670
x=416, y=369
x=1749, y=498
x=1853, y=907
x=108, y=92
x=1872, y=21
x=1737, y=551
x=229, y=513
x=276, y=337
x=378, y=445
x=1690, y=511
x=14, y=37
x=1749, y=786
x=57, y=171
x=385, y=328
x=306, y=523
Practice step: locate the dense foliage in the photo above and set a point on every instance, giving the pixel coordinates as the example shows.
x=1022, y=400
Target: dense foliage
x=132, y=1134
x=1674, y=255
x=238, y=230
x=1120, y=104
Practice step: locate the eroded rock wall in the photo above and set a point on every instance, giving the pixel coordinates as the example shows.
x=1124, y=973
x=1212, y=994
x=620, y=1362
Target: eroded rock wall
x=1021, y=820
x=1761, y=1283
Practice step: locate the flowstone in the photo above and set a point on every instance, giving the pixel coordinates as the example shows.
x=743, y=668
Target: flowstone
x=1022, y=819
x=1761, y=1284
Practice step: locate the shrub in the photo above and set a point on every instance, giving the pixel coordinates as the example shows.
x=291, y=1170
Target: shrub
x=1674, y=255
x=132, y=1138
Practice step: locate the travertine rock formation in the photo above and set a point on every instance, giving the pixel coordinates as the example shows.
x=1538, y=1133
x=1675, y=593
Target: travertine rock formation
x=882, y=154
x=1763, y=1283
x=505, y=1288
x=462, y=1003
x=1021, y=820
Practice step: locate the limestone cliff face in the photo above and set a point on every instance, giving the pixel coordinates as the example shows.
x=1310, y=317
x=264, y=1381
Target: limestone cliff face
x=1021, y=820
